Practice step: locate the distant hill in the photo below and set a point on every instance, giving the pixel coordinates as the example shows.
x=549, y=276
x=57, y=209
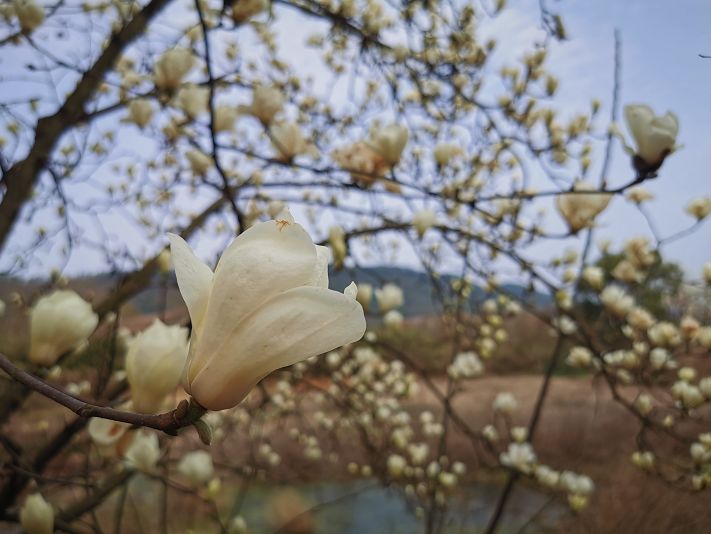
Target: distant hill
x=421, y=297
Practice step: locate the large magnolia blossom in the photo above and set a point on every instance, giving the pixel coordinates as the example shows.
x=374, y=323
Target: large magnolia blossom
x=580, y=209
x=266, y=306
x=655, y=136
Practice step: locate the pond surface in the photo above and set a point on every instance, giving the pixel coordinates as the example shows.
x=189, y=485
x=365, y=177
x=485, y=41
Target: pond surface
x=362, y=507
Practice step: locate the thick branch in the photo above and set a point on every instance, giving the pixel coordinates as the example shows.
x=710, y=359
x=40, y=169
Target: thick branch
x=170, y=422
x=20, y=179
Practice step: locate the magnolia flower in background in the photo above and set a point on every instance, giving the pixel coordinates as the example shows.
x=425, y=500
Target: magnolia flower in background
x=423, y=221
x=154, y=364
x=2, y=308
x=465, y=365
x=267, y=102
x=29, y=14
x=655, y=136
x=389, y=297
x=266, y=306
x=225, y=117
x=616, y=300
x=171, y=68
x=444, y=153
x=143, y=452
x=393, y=319
x=707, y=273
x=196, y=467
x=140, y=112
x=164, y=262
x=288, y=141
x=579, y=210
x=505, y=403
x=389, y=142
x=365, y=164
x=110, y=437
x=243, y=10
x=37, y=515
x=396, y=465
x=337, y=242
x=639, y=194
x=193, y=100
x=364, y=296
x=200, y=162
x=519, y=456
x=59, y=322
x=594, y=276
x=700, y=208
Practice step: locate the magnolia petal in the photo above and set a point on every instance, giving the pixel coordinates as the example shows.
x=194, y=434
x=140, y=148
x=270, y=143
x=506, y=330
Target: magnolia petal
x=320, y=274
x=293, y=326
x=351, y=291
x=194, y=279
x=269, y=258
x=638, y=118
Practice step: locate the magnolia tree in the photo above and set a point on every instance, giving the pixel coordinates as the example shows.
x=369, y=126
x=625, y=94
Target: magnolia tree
x=131, y=128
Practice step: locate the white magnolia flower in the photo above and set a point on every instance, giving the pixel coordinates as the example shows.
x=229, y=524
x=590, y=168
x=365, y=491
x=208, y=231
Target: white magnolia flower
x=655, y=136
x=267, y=102
x=580, y=209
x=423, y=221
x=365, y=296
x=37, y=515
x=59, y=322
x=289, y=142
x=266, y=306
x=519, y=456
x=446, y=152
x=707, y=273
x=576, y=484
x=616, y=300
x=243, y=10
x=30, y=15
x=389, y=297
x=579, y=356
x=594, y=276
x=505, y=403
x=365, y=164
x=225, y=117
x=196, y=467
x=465, y=365
x=193, y=100
x=700, y=208
x=200, y=162
x=108, y=435
x=144, y=452
x=171, y=68
x=389, y=142
x=393, y=319
x=140, y=112
x=639, y=194
x=396, y=465
x=3, y=306
x=154, y=364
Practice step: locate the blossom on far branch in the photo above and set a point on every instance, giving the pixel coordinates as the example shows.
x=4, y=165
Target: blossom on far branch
x=266, y=306
x=579, y=209
x=59, y=322
x=37, y=515
x=655, y=137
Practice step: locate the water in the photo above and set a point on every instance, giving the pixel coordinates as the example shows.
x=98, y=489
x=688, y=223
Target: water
x=362, y=507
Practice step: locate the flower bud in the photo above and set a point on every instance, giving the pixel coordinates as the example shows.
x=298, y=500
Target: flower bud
x=37, y=515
